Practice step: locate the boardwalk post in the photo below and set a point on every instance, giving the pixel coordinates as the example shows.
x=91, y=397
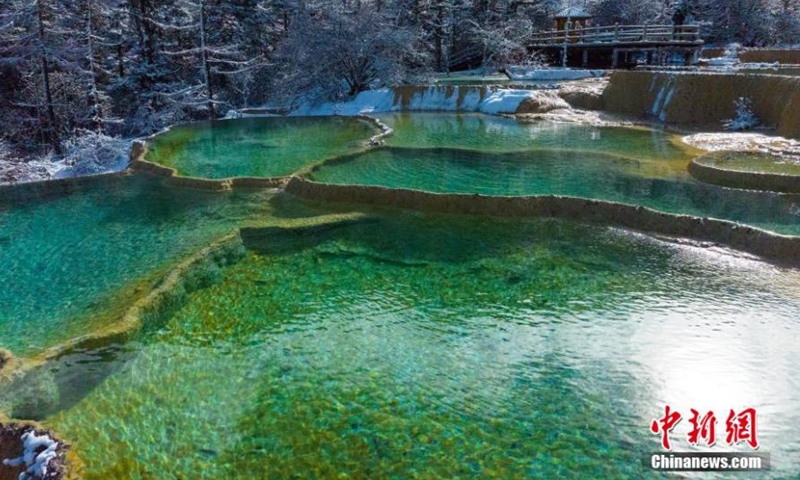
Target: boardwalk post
x=566, y=40
x=609, y=42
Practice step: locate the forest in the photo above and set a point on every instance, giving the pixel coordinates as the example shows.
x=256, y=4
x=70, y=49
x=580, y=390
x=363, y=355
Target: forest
x=77, y=76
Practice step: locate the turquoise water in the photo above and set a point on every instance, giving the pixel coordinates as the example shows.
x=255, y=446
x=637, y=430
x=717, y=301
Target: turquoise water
x=399, y=344
x=257, y=147
x=553, y=172
x=756, y=162
x=72, y=262
x=499, y=134
x=439, y=347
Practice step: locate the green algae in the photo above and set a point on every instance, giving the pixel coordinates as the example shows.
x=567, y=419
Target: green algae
x=552, y=172
x=424, y=347
x=752, y=162
x=256, y=147
x=74, y=261
x=390, y=344
x=500, y=134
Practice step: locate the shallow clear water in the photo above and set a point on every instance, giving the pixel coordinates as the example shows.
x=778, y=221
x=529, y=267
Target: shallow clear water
x=553, y=172
x=432, y=347
x=405, y=345
x=72, y=262
x=499, y=134
x=753, y=162
x=257, y=147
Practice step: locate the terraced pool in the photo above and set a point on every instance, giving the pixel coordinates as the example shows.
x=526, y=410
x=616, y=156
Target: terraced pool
x=347, y=342
x=72, y=261
x=753, y=162
x=259, y=147
x=432, y=346
x=499, y=134
x=599, y=176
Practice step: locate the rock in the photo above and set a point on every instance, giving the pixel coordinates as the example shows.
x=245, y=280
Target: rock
x=542, y=102
x=56, y=464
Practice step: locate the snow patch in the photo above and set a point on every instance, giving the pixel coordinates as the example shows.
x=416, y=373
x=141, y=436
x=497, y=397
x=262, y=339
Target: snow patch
x=88, y=154
x=505, y=101
x=728, y=61
x=714, y=142
x=744, y=119
x=522, y=73
x=39, y=450
x=93, y=153
x=433, y=98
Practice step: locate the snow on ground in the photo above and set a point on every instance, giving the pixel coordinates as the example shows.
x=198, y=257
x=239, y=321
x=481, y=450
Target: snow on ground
x=88, y=154
x=728, y=61
x=39, y=450
x=522, y=73
x=371, y=101
x=743, y=141
x=592, y=118
x=433, y=98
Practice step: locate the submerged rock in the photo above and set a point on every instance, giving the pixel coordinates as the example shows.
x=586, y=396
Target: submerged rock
x=5, y=358
x=30, y=395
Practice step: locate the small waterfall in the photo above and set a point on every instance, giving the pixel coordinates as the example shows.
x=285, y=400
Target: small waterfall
x=664, y=96
x=446, y=98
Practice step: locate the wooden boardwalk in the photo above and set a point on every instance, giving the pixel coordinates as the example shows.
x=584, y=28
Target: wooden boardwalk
x=619, y=36
x=607, y=47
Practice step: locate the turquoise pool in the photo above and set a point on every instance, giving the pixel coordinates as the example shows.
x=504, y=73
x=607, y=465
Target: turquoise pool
x=557, y=172
x=257, y=147
x=418, y=346
x=347, y=342
x=73, y=261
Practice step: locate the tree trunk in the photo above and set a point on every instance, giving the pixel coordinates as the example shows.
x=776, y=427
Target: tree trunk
x=94, y=94
x=212, y=114
x=439, y=37
x=51, y=113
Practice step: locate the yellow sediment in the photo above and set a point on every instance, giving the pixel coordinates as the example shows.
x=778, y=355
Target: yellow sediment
x=542, y=101
x=584, y=94
x=770, y=55
x=8, y=364
x=300, y=227
x=705, y=99
x=701, y=169
x=14, y=368
x=122, y=330
x=403, y=95
x=758, y=55
x=770, y=246
x=139, y=164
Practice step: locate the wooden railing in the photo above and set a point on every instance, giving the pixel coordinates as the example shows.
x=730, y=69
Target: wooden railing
x=675, y=34
x=615, y=34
